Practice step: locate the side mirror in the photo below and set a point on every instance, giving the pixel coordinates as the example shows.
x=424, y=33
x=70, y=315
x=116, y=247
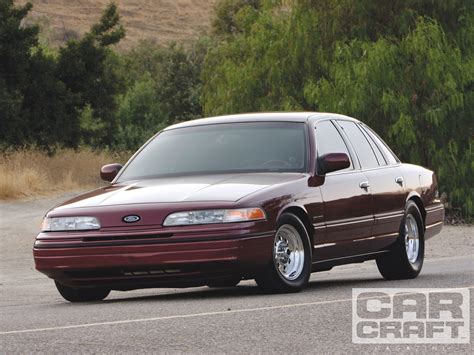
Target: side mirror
x=333, y=162
x=110, y=171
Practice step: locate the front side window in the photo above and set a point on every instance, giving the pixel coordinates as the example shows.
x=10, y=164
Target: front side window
x=361, y=145
x=329, y=140
x=222, y=148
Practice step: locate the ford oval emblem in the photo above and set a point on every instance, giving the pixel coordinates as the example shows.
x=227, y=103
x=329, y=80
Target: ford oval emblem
x=131, y=218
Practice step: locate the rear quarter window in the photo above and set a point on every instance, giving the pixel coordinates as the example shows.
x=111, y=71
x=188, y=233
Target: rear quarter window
x=361, y=145
x=391, y=158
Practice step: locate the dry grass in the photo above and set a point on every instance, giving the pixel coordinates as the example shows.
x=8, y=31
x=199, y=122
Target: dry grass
x=28, y=173
x=163, y=21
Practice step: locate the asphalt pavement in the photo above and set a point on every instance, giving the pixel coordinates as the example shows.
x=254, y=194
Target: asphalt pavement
x=35, y=319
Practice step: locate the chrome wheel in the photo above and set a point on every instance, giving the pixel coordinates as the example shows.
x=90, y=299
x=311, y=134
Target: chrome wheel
x=288, y=252
x=405, y=258
x=412, y=238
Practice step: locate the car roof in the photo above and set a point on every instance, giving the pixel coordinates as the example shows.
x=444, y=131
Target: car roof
x=262, y=117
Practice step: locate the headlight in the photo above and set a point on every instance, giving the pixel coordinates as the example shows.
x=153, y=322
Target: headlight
x=214, y=216
x=57, y=224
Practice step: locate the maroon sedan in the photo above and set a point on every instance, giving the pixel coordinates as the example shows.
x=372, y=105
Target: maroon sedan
x=271, y=197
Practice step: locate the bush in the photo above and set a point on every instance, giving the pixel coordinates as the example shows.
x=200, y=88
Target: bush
x=405, y=68
x=140, y=114
x=164, y=87
x=88, y=68
x=35, y=106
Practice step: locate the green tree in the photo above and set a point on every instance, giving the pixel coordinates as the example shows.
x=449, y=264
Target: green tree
x=88, y=69
x=35, y=107
x=404, y=67
x=48, y=107
x=228, y=15
x=417, y=94
x=15, y=53
x=140, y=114
x=179, y=82
x=176, y=74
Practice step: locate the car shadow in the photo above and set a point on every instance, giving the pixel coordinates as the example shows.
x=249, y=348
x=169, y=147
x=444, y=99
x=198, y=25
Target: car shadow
x=246, y=290
x=250, y=289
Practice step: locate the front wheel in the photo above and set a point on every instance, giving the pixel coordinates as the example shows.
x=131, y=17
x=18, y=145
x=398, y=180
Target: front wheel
x=81, y=294
x=290, y=268
x=406, y=257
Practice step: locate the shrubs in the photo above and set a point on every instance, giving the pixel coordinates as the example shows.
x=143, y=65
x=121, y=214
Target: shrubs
x=86, y=93
x=405, y=68
x=163, y=87
x=43, y=94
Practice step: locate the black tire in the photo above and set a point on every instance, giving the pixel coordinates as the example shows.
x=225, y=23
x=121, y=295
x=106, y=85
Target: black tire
x=396, y=264
x=82, y=294
x=271, y=280
x=224, y=283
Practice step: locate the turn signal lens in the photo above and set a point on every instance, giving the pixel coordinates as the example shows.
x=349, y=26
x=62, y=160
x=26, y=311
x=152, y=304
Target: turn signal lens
x=256, y=213
x=247, y=214
x=46, y=225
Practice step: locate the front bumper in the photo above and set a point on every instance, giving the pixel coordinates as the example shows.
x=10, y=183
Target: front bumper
x=155, y=257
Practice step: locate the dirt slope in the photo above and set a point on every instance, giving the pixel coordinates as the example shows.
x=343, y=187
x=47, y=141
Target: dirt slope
x=161, y=20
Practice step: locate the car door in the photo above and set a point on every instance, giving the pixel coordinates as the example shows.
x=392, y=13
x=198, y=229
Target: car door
x=389, y=191
x=346, y=206
x=385, y=184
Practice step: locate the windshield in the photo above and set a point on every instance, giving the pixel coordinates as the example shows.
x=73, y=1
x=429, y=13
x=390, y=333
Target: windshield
x=222, y=148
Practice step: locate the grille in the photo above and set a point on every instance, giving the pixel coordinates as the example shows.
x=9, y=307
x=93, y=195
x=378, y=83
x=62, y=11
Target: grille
x=80, y=274
x=126, y=237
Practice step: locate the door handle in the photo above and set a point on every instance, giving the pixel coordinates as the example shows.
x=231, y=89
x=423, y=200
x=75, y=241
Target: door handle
x=399, y=180
x=364, y=185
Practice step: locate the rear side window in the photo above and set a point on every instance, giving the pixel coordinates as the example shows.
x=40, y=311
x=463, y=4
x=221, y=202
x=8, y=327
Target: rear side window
x=382, y=145
x=375, y=148
x=329, y=140
x=361, y=145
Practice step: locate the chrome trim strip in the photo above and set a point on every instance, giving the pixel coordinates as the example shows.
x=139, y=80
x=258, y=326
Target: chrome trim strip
x=386, y=215
x=325, y=245
x=434, y=209
x=320, y=225
x=352, y=256
x=337, y=224
x=376, y=237
x=434, y=225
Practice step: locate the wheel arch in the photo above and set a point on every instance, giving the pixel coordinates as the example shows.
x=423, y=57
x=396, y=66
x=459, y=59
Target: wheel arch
x=302, y=214
x=413, y=196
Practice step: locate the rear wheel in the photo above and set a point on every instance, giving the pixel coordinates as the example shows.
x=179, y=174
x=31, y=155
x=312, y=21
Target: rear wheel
x=82, y=294
x=290, y=268
x=405, y=260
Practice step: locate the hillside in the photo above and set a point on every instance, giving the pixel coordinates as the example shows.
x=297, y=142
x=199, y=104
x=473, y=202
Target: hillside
x=160, y=20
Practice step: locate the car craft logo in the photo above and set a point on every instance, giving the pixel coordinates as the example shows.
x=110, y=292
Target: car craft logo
x=131, y=218
x=410, y=316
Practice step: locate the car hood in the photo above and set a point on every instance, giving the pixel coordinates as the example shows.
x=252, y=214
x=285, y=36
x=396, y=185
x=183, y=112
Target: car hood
x=209, y=188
